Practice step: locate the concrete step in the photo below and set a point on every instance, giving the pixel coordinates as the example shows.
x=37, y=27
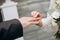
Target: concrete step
x=29, y=0
x=27, y=8
x=24, y=9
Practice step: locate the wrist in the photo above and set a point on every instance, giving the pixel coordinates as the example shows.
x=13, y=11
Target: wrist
x=40, y=23
x=20, y=22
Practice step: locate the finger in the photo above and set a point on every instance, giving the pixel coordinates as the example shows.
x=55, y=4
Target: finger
x=34, y=13
x=34, y=22
x=34, y=19
x=39, y=15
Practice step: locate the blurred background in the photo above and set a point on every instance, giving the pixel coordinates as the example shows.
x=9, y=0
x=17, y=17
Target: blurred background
x=25, y=7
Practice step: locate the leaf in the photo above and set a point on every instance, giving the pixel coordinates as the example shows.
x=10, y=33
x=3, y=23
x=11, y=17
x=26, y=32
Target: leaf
x=57, y=5
x=58, y=23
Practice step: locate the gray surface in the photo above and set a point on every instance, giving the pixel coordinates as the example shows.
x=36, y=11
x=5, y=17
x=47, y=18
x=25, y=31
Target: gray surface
x=29, y=6
x=24, y=9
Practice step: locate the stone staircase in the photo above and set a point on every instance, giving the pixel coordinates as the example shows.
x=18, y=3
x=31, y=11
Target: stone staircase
x=25, y=8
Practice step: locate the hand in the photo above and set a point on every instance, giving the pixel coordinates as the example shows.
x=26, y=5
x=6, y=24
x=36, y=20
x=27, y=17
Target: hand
x=26, y=21
x=36, y=14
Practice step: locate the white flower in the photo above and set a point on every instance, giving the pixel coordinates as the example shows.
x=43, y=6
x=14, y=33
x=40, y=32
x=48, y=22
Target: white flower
x=55, y=14
x=54, y=23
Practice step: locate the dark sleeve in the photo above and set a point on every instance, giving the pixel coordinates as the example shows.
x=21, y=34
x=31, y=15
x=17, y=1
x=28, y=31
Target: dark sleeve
x=10, y=30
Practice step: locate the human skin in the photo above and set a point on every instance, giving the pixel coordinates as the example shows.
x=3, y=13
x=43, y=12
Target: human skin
x=26, y=21
x=36, y=14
